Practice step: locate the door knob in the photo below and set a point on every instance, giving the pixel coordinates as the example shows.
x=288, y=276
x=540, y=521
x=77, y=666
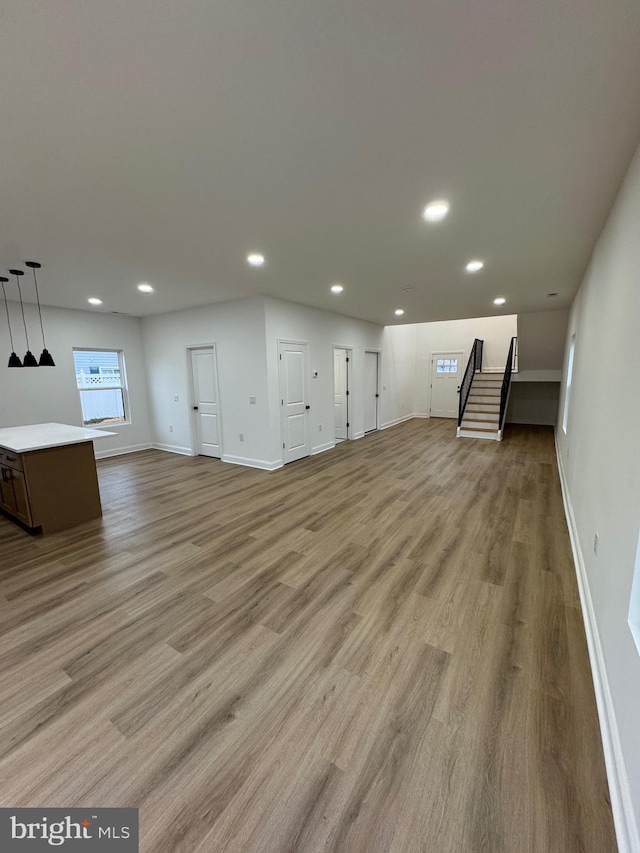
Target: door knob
x=195, y=408
x=307, y=407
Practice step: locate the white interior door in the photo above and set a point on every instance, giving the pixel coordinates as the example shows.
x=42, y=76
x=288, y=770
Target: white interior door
x=341, y=393
x=294, y=397
x=205, y=401
x=446, y=376
x=370, y=391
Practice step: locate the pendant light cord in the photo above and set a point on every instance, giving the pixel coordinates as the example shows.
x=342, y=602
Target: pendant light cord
x=6, y=305
x=35, y=280
x=26, y=334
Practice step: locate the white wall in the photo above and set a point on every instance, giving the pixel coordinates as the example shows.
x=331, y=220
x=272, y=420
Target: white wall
x=541, y=338
x=237, y=330
x=322, y=330
x=600, y=457
x=407, y=360
x=398, y=391
x=50, y=394
x=533, y=403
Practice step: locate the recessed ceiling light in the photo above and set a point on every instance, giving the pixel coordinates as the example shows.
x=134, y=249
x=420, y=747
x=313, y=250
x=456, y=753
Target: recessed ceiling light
x=255, y=259
x=474, y=266
x=500, y=300
x=399, y=312
x=145, y=288
x=93, y=300
x=337, y=288
x=436, y=210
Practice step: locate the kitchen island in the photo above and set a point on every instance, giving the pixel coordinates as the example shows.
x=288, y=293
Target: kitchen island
x=48, y=477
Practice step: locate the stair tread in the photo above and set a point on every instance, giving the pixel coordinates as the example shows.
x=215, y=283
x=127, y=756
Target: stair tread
x=492, y=411
x=476, y=429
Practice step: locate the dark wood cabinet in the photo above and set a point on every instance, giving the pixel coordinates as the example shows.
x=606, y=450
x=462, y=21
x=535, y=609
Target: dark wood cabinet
x=50, y=489
x=13, y=494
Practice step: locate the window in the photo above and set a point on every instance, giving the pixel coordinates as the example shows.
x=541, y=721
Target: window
x=634, y=608
x=567, y=390
x=102, y=386
x=447, y=365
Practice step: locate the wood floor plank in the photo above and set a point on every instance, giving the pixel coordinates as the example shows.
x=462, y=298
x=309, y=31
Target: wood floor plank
x=376, y=649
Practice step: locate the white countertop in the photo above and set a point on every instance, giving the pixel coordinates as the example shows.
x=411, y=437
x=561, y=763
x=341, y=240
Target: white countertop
x=22, y=439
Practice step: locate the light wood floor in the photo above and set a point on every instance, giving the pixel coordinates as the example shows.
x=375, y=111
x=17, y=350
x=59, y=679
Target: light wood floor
x=376, y=649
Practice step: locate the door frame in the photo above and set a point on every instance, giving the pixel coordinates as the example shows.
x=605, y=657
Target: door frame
x=463, y=365
x=377, y=353
x=349, y=351
x=193, y=427
x=307, y=380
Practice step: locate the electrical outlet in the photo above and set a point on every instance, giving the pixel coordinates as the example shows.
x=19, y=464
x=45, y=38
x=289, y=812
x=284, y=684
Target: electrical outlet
x=252, y=401
x=241, y=436
x=596, y=542
x=170, y=428
x=384, y=387
x=176, y=399
x=319, y=427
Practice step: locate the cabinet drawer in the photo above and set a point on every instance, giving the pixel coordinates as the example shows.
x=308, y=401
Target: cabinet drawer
x=9, y=459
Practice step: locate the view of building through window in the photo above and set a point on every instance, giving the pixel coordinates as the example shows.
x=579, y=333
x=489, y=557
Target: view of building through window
x=101, y=385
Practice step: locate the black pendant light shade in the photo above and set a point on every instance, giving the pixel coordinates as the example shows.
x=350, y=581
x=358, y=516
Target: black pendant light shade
x=46, y=359
x=29, y=359
x=14, y=361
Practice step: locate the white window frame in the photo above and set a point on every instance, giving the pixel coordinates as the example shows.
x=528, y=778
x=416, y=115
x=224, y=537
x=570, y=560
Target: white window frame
x=568, y=383
x=122, y=386
x=634, y=605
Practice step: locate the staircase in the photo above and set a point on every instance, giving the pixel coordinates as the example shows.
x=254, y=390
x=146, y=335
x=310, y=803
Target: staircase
x=484, y=396
x=481, y=417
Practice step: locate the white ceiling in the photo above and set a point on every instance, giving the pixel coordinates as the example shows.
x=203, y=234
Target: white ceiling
x=161, y=140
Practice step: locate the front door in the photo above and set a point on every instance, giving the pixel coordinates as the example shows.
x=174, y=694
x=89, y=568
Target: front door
x=205, y=401
x=446, y=376
x=294, y=396
x=341, y=393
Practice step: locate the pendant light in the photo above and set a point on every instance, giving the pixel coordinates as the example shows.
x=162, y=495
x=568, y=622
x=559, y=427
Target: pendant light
x=14, y=361
x=29, y=360
x=46, y=359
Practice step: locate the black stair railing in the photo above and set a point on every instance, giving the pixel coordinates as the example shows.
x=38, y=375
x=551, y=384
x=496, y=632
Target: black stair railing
x=506, y=382
x=474, y=364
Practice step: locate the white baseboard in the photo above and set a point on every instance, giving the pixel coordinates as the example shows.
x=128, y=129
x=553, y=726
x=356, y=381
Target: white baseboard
x=329, y=445
x=357, y=435
x=420, y=415
x=621, y=804
x=396, y=421
x=121, y=451
x=252, y=463
x=173, y=448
